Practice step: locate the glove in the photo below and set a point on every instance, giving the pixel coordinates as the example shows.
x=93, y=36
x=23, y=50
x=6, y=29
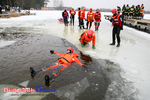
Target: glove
x=111, y=20
x=82, y=45
x=92, y=20
x=93, y=47
x=52, y=51
x=84, y=66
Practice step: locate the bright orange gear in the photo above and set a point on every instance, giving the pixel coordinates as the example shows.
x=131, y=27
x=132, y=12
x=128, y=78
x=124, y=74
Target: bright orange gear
x=68, y=58
x=84, y=37
x=114, y=11
x=82, y=14
x=97, y=17
x=72, y=12
x=90, y=16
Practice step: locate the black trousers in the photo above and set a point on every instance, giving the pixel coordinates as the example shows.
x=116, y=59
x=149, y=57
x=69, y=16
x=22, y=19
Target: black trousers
x=72, y=20
x=116, y=34
x=81, y=22
x=87, y=24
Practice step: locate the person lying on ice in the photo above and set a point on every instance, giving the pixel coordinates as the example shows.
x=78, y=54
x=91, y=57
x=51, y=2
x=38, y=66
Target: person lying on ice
x=87, y=36
x=64, y=61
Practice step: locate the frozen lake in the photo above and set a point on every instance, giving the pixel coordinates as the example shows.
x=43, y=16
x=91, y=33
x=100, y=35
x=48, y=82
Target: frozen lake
x=132, y=56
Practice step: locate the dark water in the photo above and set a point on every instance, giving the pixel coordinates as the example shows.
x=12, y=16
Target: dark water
x=33, y=50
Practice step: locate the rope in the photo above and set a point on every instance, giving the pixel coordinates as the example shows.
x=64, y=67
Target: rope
x=75, y=33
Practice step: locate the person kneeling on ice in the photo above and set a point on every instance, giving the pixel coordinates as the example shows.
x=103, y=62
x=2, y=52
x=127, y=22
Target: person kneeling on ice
x=64, y=61
x=87, y=36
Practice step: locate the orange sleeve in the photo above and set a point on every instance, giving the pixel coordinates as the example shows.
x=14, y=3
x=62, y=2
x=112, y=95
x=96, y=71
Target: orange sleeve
x=93, y=41
x=77, y=61
x=82, y=38
x=59, y=54
x=84, y=14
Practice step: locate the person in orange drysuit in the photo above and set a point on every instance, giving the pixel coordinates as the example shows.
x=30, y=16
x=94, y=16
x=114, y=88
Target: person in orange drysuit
x=116, y=22
x=90, y=18
x=97, y=17
x=81, y=15
x=72, y=15
x=64, y=61
x=141, y=10
x=87, y=36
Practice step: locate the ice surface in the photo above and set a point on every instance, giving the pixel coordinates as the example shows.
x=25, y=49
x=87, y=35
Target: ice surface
x=4, y=43
x=70, y=91
x=25, y=83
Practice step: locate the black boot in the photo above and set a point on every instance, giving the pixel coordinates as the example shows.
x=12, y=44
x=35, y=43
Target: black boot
x=49, y=79
x=83, y=27
x=80, y=27
x=118, y=45
x=112, y=44
x=46, y=79
x=32, y=71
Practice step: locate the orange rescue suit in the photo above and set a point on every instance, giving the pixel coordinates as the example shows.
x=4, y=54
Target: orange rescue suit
x=84, y=37
x=90, y=16
x=82, y=14
x=97, y=16
x=72, y=12
x=79, y=12
x=68, y=58
x=141, y=8
x=117, y=16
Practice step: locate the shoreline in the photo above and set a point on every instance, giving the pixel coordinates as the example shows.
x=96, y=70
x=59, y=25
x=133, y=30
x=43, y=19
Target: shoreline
x=14, y=14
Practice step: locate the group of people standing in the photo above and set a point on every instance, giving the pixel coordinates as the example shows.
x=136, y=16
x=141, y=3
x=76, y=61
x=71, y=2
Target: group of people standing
x=135, y=12
x=89, y=35
x=91, y=17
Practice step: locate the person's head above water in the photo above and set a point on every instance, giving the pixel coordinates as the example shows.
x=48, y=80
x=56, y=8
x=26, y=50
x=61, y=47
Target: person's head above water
x=70, y=50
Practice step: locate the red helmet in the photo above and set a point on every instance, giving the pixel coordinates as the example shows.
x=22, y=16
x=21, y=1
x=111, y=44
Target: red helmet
x=89, y=33
x=90, y=8
x=65, y=9
x=84, y=9
x=114, y=11
x=97, y=9
x=71, y=49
